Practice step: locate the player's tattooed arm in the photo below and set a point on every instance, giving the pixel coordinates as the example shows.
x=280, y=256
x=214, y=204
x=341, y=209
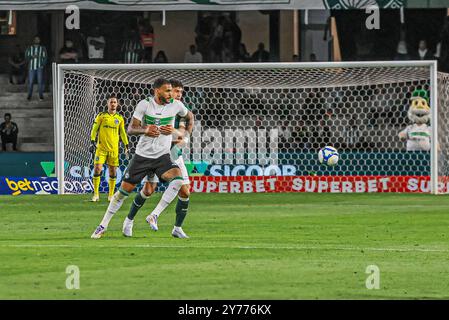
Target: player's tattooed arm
x=190, y=119
x=135, y=128
x=183, y=133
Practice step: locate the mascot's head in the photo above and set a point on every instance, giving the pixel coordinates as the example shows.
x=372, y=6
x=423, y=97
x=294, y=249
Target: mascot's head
x=419, y=111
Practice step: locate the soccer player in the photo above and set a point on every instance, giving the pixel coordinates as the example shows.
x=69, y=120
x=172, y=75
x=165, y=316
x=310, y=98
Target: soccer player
x=183, y=129
x=153, y=120
x=109, y=126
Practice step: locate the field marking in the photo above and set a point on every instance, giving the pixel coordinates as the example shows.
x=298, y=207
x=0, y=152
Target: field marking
x=157, y=246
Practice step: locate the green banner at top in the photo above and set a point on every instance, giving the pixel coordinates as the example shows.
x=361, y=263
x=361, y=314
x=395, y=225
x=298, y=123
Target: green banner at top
x=186, y=5
x=361, y=4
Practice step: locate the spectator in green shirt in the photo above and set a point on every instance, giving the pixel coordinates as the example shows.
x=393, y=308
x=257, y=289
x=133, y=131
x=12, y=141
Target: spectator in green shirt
x=36, y=56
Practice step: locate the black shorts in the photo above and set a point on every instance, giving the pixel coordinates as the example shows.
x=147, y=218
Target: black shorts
x=139, y=167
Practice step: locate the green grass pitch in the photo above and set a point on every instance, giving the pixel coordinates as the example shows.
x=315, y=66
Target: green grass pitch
x=242, y=246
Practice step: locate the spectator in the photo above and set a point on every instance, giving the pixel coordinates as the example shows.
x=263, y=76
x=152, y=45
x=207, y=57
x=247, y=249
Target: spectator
x=364, y=46
x=132, y=49
x=9, y=131
x=243, y=55
x=17, y=67
x=437, y=54
x=229, y=38
x=227, y=54
x=193, y=56
x=147, y=38
x=423, y=52
x=36, y=55
x=95, y=46
x=236, y=38
x=261, y=55
x=203, y=32
x=216, y=40
x=80, y=42
x=160, y=57
x=401, y=51
x=444, y=48
x=68, y=54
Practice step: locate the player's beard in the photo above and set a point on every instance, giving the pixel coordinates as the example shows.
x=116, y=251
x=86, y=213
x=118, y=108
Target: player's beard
x=163, y=100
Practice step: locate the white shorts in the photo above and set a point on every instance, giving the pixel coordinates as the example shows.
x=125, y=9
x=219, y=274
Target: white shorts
x=181, y=165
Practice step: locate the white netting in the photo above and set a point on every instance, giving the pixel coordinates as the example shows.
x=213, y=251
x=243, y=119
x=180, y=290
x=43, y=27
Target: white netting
x=443, y=129
x=271, y=122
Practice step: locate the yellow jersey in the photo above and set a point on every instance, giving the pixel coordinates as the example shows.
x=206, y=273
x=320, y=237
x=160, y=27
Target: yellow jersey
x=109, y=128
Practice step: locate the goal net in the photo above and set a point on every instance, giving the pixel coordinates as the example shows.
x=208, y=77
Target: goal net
x=259, y=127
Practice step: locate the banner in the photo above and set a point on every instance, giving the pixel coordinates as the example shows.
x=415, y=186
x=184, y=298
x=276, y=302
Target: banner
x=319, y=184
x=40, y=185
x=216, y=5
x=248, y=184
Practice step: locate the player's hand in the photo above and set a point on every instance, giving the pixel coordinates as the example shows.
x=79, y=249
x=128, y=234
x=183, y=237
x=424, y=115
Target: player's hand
x=92, y=147
x=152, y=131
x=178, y=140
x=182, y=141
x=127, y=152
x=166, y=130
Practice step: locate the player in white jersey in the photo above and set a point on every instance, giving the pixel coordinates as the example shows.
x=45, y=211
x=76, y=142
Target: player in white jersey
x=153, y=120
x=150, y=183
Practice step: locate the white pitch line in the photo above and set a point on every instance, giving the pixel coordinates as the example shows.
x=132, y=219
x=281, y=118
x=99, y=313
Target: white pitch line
x=157, y=246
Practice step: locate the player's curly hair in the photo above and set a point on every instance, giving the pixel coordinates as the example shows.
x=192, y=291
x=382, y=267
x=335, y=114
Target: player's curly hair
x=176, y=83
x=159, y=82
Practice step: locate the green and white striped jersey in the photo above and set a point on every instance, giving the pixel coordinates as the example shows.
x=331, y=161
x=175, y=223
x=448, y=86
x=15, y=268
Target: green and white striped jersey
x=36, y=56
x=131, y=52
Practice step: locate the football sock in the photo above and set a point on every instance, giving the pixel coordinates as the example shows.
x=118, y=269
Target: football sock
x=181, y=210
x=169, y=195
x=112, y=181
x=116, y=202
x=96, y=183
x=138, y=202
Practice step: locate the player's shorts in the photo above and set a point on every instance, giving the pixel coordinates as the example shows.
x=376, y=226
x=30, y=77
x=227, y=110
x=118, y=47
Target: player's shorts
x=185, y=175
x=140, y=167
x=110, y=158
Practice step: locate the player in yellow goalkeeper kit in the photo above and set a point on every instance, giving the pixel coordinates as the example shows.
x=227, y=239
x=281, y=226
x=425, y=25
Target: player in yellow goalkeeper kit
x=109, y=125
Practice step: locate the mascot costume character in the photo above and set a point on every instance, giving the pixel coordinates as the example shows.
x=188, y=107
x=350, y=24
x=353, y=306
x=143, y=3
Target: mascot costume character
x=418, y=133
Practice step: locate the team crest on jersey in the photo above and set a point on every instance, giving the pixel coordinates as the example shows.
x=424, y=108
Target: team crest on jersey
x=116, y=121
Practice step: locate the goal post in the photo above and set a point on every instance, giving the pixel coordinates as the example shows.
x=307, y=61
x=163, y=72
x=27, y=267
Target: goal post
x=259, y=126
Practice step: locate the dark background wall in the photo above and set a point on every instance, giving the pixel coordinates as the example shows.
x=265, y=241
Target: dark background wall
x=381, y=44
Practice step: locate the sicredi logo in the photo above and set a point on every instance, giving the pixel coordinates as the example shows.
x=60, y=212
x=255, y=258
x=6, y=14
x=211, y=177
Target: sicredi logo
x=19, y=186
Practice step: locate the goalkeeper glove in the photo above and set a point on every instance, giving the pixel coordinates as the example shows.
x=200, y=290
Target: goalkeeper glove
x=92, y=147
